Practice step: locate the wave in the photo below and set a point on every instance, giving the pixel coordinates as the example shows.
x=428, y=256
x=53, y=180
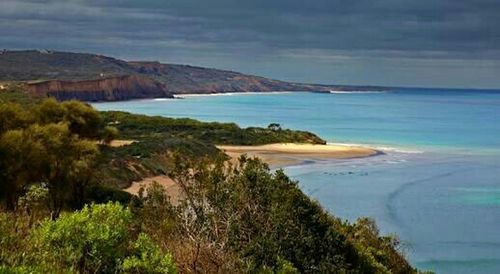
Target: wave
x=400, y=150
x=381, y=148
x=230, y=93
x=356, y=91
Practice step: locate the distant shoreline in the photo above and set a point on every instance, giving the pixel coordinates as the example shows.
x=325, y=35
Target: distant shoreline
x=180, y=96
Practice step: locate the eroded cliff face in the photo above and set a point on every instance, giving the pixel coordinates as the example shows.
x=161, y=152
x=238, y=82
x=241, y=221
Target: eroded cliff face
x=107, y=89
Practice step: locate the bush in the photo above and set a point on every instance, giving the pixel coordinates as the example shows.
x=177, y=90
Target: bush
x=95, y=239
x=148, y=258
x=109, y=134
x=271, y=224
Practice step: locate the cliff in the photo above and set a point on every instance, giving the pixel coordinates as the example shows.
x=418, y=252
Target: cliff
x=108, y=89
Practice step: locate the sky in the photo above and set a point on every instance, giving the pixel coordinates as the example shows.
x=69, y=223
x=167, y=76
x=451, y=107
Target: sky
x=422, y=43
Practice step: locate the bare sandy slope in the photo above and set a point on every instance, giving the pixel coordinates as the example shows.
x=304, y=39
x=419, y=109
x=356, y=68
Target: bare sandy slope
x=171, y=187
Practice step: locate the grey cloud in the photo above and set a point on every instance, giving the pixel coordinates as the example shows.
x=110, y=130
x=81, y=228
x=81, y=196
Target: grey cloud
x=226, y=32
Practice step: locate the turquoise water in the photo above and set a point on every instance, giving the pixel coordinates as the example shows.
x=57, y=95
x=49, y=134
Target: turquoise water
x=437, y=187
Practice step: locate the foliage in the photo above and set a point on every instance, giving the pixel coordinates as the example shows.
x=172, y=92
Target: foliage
x=247, y=219
x=148, y=258
x=21, y=161
x=81, y=118
x=227, y=219
x=14, y=228
x=51, y=143
x=14, y=93
x=109, y=134
x=99, y=193
x=13, y=116
x=89, y=240
x=274, y=127
x=96, y=239
x=133, y=126
x=35, y=203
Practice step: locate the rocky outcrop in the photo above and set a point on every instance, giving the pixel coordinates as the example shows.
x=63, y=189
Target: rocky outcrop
x=107, y=89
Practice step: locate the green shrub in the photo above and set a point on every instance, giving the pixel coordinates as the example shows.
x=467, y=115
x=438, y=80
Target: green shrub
x=96, y=239
x=148, y=258
x=93, y=239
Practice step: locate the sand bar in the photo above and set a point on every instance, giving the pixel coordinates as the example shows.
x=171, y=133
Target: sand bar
x=279, y=155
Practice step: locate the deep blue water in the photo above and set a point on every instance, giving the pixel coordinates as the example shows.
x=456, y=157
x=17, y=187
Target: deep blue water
x=437, y=187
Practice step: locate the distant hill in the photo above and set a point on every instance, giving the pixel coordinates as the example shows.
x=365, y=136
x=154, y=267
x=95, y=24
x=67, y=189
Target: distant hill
x=36, y=67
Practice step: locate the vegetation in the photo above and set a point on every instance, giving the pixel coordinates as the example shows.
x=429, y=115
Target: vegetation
x=134, y=126
x=11, y=92
x=157, y=138
x=99, y=238
x=264, y=220
x=62, y=213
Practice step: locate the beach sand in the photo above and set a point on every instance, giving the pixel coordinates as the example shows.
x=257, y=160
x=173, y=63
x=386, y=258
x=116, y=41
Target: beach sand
x=280, y=155
x=121, y=143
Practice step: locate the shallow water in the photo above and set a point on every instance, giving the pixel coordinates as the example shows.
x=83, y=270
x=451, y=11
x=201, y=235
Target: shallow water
x=438, y=186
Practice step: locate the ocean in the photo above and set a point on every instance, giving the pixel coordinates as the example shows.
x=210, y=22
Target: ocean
x=437, y=187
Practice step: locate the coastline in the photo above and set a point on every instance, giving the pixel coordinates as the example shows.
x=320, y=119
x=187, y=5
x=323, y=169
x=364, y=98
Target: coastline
x=288, y=154
x=182, y=95
x=275, y=155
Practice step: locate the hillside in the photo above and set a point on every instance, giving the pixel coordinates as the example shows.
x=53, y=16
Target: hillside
x=60, y=177
x=38, y=67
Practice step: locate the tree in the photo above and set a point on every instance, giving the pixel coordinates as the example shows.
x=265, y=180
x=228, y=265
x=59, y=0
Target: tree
x=109, y=134
x=274, y=127
x=66, y=164
x=81, y=118
x=21, y=161
x=49, y=111
x=13, y=116
x=48, y=144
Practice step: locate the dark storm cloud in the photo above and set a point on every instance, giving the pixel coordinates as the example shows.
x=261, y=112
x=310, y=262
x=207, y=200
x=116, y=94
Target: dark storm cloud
x=226, y=32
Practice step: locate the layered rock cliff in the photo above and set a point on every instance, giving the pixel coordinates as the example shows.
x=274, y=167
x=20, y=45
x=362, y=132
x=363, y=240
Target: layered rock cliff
x=108, y=89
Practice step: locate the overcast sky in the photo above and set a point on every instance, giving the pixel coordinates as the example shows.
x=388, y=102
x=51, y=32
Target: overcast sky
x=440, y=43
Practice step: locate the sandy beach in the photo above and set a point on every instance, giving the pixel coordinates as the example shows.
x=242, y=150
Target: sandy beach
x=280, y=155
